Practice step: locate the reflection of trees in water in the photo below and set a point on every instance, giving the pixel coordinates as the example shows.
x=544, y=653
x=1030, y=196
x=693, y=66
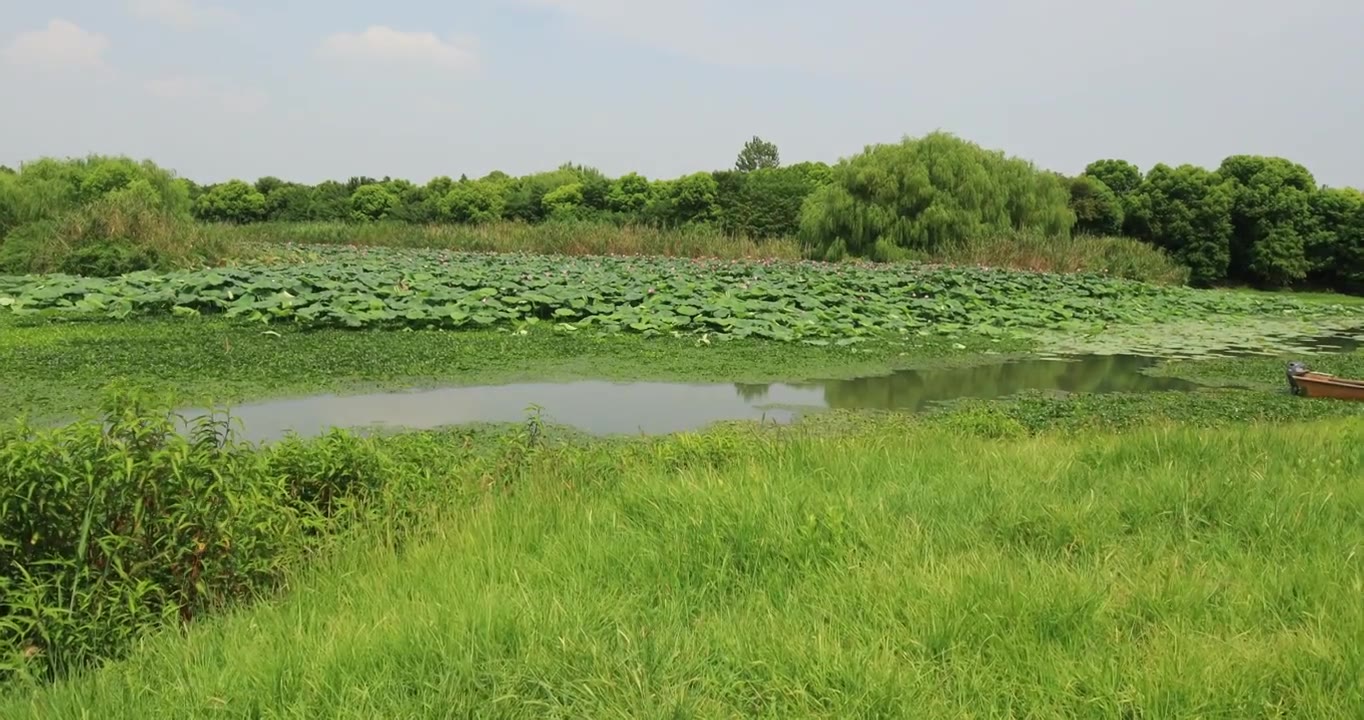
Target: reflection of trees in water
x=912, y=390
x=751, y=392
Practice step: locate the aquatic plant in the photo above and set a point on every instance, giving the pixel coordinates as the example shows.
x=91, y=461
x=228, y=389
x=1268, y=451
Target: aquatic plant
x=806, y=301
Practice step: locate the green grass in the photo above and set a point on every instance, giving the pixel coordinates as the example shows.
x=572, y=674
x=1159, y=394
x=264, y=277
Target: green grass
x=1160, y=573
x=56, y=369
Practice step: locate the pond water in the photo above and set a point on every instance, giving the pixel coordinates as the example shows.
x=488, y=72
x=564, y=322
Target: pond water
x=603, y=407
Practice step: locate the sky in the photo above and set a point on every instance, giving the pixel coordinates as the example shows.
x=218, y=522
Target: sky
x=309, y=90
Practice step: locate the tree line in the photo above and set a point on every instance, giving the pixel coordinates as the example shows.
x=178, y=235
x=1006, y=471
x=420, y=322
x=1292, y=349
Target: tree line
x=1258, y=220
x=759, y=198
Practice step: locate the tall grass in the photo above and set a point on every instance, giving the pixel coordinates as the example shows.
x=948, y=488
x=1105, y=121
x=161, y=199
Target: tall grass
x=1159, y=573
x=1116, y=256
x=112, y=235
x=1120, y=257
x=559, y=238
x=109, y=528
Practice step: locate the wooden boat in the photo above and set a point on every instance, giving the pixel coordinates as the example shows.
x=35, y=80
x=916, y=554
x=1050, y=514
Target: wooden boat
x=1307, y=383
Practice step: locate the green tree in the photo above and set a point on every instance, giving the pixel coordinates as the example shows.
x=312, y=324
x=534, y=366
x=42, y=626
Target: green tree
x=1335, y=244
x=816, y=173
x=1271, y=217
x=927, y=194
x=476, y=201
x=687, y=200
x=1098, y=211
x=565, y=202
x=763, y=203
x=440, y=186
x=269, y=184
x=416, y=204
x=231, y=202
x=372, y=202
x=1187, y=211
x=331, y=201
x=629, y=194
x=1122, y=177
x=525, y=196
x=291, y=203
x=757, y=154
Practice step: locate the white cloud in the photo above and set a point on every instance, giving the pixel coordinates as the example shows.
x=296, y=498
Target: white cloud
x=60, y=44
x=184, y=14
x=384, y=44
x=229, y=98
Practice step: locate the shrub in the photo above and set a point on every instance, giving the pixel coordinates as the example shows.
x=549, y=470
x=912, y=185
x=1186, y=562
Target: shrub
x=122, y=232
x=928, y=194
x=48, y=188
x=110, y=528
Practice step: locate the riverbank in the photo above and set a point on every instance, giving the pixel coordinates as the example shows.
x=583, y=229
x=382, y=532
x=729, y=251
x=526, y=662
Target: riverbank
x=1158, y=572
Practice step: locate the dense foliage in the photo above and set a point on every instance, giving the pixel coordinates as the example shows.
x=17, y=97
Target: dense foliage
x=807, y=301
x=109, y=528
x=96, y=216
x=1256, y=220
x=929, y=194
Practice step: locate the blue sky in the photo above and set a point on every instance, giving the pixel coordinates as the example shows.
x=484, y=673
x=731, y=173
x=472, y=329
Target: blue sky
x=309, y=90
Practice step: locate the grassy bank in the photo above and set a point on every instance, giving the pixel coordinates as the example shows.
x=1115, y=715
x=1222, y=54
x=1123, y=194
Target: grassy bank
x=929, y=574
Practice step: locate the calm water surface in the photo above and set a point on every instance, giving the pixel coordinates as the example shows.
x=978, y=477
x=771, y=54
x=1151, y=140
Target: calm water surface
x=603, y=407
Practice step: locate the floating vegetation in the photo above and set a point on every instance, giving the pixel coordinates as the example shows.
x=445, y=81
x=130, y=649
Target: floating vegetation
x=792, y=301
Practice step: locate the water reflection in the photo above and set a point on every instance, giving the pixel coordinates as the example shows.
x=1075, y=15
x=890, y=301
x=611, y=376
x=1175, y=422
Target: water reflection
x=654, y=408
x=915, y=390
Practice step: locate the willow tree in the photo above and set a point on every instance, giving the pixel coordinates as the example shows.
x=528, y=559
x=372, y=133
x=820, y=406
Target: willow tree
x=929, y=194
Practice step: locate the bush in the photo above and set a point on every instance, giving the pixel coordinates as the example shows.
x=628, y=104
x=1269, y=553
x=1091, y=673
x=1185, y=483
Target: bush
x=49, y=188
x=111, y=528
x=122, y=232
x=930, y=194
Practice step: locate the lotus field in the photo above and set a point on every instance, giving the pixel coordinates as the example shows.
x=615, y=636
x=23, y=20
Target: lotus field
x=805, y=301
